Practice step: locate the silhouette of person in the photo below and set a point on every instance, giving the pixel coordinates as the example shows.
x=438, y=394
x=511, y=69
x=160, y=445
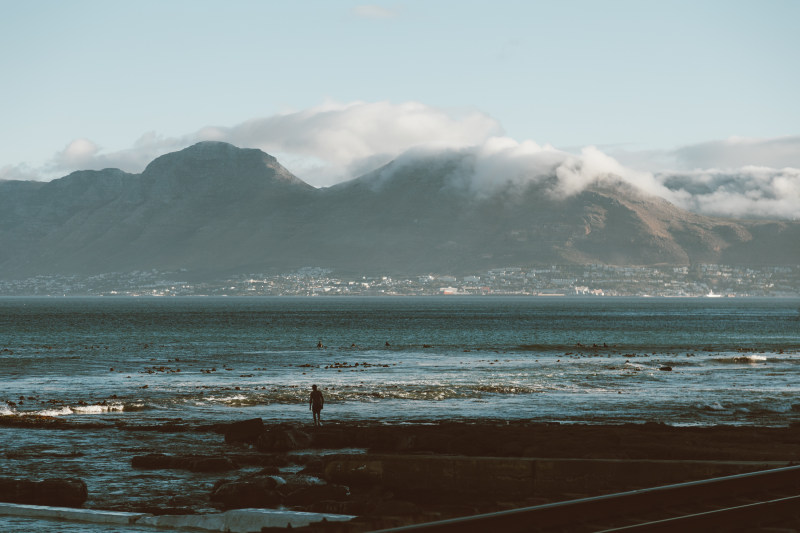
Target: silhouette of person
x=315, y=403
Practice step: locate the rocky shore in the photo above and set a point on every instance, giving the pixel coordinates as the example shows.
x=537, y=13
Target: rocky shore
x=395, y=474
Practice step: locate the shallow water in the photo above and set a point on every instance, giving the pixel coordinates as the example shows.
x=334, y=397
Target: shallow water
x=579, y=360
x=13, y=524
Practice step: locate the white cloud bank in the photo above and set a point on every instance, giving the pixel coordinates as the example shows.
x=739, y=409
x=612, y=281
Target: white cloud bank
x=323, y=145
x=750, y=191
x=333, y=142
x=501, y=161
x=740, y=177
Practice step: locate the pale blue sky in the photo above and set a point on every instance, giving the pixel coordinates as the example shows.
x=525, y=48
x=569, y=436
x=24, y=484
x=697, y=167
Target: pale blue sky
x=627, y=76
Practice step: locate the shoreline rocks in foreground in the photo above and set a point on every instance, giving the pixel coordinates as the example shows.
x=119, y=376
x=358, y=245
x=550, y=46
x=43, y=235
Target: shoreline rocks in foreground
x=413, y=472
x=399, y=473
x=71, y=492
x=498, y=438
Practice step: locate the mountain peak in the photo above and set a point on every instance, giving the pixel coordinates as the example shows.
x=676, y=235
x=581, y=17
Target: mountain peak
x=219, y=149
x=211, y=164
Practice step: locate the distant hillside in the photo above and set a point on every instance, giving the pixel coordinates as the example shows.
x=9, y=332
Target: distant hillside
x=215, y=209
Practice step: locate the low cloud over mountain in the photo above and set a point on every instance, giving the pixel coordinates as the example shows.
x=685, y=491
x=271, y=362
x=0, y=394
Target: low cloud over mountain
x=738, y=177
x=325, y=144
x=215, y=209
x=752, y=192
x=332, y=143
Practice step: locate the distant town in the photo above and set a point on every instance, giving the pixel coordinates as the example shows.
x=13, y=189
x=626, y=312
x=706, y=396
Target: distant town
x=707, y=280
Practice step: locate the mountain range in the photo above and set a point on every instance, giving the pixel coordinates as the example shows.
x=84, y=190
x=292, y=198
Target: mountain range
x=214, y=209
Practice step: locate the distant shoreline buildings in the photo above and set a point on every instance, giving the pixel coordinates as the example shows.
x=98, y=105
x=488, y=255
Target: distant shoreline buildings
x=557, y=280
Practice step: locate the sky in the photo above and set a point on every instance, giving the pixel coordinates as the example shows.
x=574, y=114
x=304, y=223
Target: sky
x=697, y=100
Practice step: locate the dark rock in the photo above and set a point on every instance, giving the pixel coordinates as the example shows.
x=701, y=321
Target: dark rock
x=407, y=443
x=336, y=507
x=324, y=437
x=70, y=492
x=512, y=448
x=361, y=472
x=212, y=464
x=666, y=368
x=310, y=494
x=283, y=438
x=254, y=491
x=244, y=431
x=314, y=467
x=395, y=508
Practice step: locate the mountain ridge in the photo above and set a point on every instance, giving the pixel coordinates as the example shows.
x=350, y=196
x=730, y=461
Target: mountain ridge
x=214, y=208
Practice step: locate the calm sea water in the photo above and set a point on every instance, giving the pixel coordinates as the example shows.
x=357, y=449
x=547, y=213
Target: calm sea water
x=150, y=361
x=733, y=361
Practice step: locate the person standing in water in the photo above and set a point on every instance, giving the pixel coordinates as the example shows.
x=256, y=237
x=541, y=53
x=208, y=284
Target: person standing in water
x=315, y=403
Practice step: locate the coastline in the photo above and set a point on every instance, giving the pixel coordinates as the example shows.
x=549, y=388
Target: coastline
x=498, y=437
x=392, y=474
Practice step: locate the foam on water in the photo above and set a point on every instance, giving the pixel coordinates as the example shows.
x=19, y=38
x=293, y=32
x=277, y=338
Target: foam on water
x=742, y=359
x=97, y=409
x=62, y=411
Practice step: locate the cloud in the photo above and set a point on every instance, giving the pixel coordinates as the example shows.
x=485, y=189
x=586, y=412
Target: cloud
x=323, y=145
x=20, y=172
x=333, y=142
x=750, y=191
x=83, y=154
x=503, y=161
x=735, y=177
x=373, y=12
x=78, y=153
x=345, y=136
x=503, y=164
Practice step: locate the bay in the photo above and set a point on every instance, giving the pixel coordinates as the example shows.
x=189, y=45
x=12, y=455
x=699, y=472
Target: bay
x=403, y=359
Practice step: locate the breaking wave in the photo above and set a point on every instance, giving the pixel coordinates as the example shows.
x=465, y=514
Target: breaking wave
x=711, y=406
x=97, y=409
x=62, y=411
x=741, y=359
x=66, y=410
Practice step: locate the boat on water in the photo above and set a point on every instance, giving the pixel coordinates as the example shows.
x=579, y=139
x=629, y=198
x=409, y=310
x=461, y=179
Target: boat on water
x=712, y=295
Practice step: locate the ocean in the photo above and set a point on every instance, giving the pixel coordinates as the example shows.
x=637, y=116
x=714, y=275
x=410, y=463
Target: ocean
x=732, y=361
x=149, y=361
